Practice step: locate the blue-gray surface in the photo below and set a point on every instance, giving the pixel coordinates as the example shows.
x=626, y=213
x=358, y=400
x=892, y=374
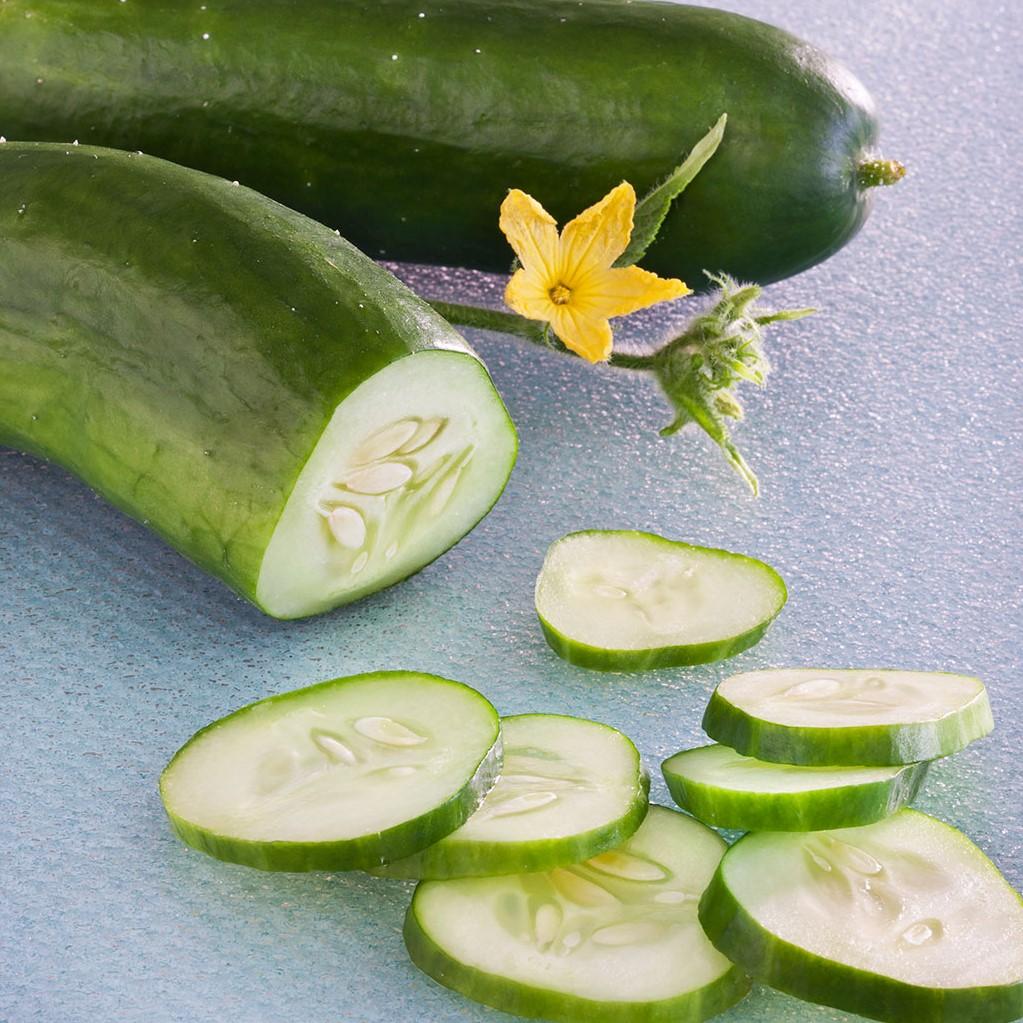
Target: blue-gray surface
x=888, y=446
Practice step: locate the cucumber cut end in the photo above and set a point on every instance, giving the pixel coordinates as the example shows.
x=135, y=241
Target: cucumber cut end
x=409, y=462
x=628, y=600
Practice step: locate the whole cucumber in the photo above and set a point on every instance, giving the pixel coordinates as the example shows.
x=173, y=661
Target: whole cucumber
x=404, y=122
x=269, y=400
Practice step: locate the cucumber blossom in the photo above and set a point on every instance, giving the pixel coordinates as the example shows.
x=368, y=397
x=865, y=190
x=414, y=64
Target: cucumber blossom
x=404, y=123
x=269, y=400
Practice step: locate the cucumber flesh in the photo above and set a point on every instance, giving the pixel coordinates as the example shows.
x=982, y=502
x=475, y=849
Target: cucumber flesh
x=341, y=775
x=905, y=919
x=727, y=790
x=627, y=600
x=401, y=473
x=858, y=717
x=613, y=939
x=569, y=789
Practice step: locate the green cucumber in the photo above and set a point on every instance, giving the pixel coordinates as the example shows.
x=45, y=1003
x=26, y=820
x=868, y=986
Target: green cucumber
x=404, y=124
x=612, y=940
x=860, y=717
x=343, y=775
x=727, y=790
x=569, y=789
x=902, y=920
x=622, y=600
x=271, y=402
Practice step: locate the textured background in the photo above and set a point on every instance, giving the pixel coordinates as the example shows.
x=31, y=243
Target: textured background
x=888, y=447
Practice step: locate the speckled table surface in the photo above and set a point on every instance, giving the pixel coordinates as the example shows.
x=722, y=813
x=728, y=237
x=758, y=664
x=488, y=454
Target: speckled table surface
x=888, y=447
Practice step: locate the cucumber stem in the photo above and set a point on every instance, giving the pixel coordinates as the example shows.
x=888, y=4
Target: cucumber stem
x=878, y=172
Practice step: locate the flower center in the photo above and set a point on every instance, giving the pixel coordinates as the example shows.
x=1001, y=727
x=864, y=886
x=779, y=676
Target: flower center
x=560, y=295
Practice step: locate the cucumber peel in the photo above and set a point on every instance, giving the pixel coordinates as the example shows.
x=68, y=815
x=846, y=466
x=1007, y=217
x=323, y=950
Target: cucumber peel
x=904, y=919
x=727, y=790
x=342, y=775
x=612, y=940
x=858, y=717
x=624, y=600
x=569, y=789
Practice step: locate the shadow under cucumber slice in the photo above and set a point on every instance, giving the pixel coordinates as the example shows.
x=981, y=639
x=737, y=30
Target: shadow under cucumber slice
x=612, y=940
x=727, y=790
x=623, y=600
x=858, y=717
x=902, y=920
x=343, y=775
x=569, y=789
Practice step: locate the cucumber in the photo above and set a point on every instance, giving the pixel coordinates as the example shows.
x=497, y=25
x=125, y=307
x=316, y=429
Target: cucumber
x=727, y=790
x=622, y=600
x=271, y=402
x=612, y=940
x=404, y=124
x=343, y=775
x=902, y=920
x=858, y=717
x=569, y=789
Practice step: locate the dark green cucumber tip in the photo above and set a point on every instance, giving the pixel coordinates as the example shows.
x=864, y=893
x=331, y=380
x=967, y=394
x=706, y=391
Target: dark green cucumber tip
x=878, y=172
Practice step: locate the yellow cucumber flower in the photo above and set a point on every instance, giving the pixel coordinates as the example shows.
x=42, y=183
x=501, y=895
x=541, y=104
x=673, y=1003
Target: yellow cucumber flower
x=570, y=281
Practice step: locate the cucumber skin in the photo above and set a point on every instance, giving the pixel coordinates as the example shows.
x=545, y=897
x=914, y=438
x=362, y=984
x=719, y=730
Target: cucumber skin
x=819, y=810
x=536, y=1003
x=854, y=746
x=353, y=854
x=180, y=343
x=451, y=859
x=787, y=968
x=584, y=655
x=563, y=100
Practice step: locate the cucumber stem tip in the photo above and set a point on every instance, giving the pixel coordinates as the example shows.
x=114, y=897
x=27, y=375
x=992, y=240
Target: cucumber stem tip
x=877, y=172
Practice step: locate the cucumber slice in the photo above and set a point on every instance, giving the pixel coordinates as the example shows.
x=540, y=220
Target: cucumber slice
x=270, y=401
x=726, y=789
x=902, y=920
x=569, y=789
x=338, y=776
x=612, y=940
x=859, y=717
x=622, y=600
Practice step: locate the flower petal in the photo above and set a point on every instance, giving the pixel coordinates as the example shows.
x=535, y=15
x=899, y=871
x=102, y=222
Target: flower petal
x=587, y=336
x=598, y=236
x=528, y=296
x=624, y=290
x=532, y=232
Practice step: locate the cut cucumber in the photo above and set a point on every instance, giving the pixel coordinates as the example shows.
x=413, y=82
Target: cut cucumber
x=903, y=920
x=569, y=789
x=859, y=717
x=725, y=789
x=622, y=600
x=612, y=940
x=271, y=402
x=339, y=776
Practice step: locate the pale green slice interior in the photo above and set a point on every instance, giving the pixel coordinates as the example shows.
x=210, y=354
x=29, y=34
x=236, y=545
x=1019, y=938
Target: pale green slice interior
x=618, y=928
x=634, y=591
x=333, y=762
x=562, y=776
x=721, y=767
x=824, y=698
x=408, y=464
x=908, y=897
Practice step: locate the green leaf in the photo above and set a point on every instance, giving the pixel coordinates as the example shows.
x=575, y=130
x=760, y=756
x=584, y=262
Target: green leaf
x=653, y=207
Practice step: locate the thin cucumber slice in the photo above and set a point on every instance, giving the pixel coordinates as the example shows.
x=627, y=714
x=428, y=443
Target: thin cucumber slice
x=569, y=789
x=726, y=789
x=903, y=920
x=612, y=940
x=342, y=775
x=859, y=717
x=621, y=600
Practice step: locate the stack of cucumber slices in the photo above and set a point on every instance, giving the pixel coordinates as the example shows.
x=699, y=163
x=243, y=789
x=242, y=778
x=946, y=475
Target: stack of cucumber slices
x=549, y=888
